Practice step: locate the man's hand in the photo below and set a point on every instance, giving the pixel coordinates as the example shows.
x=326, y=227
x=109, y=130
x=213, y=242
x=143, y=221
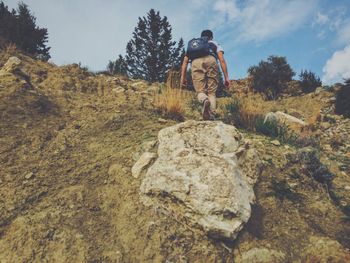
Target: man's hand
x=183, y=83
x=227, y=83
x=183, y=80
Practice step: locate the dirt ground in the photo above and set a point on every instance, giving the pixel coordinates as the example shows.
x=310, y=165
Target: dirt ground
x=67, y=194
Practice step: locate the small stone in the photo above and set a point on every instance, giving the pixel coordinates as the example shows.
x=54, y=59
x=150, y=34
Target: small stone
x=29, y=175
x=325, y=125
x=332, y=100
x=144, y=160
x=275, y=142
x=160, y=120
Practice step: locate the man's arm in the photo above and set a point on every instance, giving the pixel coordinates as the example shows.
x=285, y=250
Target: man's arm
x=183, y=81
x=224, y=67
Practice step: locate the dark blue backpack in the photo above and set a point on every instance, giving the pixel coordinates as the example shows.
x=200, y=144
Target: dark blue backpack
x=198, y=47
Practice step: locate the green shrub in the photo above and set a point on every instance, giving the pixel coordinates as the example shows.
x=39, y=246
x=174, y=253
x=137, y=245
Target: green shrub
x=274, y=129
x=342, y=105
x=271, y=77
x=309, y=81
x=232, y=113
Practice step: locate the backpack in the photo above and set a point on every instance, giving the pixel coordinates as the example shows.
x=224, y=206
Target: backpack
x=198, y=47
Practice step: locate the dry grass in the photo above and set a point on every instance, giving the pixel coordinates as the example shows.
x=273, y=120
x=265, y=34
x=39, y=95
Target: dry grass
x=7, y=52
x=171, y=103
x=251, y=108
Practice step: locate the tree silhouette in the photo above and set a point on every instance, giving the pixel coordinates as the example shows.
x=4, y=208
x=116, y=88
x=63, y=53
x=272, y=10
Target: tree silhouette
x=270, y=77
x=19, y=27
x=151, y=52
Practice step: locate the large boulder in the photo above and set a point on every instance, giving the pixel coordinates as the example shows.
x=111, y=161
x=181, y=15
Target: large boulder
x=205, y=171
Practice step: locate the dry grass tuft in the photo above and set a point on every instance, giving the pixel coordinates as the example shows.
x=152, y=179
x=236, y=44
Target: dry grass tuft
x=171, y=103
x=245, y=110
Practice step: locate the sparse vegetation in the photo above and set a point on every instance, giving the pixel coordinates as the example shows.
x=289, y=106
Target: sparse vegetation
x=170, y=103
x=282, y=190
x=342, y=105
x=244, y=111
x=309, y=81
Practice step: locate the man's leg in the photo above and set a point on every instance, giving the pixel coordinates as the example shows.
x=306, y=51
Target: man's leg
x=198, y=78
x=200, y=84
x=212, y=81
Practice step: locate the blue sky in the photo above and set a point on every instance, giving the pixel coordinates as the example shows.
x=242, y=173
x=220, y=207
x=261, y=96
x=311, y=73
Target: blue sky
x=312, y=34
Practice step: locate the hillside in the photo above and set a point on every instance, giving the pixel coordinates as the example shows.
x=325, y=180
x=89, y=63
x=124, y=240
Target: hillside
x=69, y=140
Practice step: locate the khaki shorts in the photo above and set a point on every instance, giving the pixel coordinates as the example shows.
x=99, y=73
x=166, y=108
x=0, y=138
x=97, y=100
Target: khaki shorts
x=205, y=74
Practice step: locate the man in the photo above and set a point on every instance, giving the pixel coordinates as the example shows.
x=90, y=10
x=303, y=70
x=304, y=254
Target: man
x=205, y=74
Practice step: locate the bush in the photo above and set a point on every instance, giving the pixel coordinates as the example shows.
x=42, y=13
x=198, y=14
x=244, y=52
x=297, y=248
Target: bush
x=271, y=77
x=274, y=129
x=342, y=105
x=309, y=81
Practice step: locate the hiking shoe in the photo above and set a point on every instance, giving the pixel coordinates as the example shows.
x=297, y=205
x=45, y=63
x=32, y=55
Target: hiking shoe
x=206, y=110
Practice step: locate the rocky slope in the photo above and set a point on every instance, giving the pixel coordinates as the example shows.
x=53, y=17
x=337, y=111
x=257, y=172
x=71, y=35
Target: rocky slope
x=69, y=140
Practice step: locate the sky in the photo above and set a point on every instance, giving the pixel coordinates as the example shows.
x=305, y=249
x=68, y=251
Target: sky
x=312, y=34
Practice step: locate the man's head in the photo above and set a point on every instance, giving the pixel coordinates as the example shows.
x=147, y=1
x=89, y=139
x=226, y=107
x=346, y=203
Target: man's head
x=207, y=33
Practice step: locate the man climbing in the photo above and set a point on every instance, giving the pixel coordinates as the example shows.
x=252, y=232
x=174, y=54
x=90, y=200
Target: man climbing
x=203, y=53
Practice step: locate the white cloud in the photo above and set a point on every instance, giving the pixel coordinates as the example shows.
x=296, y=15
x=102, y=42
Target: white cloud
x=337, y=67
x=321, y=19
x=343, y=34
x=259, y=20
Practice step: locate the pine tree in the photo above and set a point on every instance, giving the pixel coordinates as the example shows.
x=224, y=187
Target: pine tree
x=19, y=27
x=118, y=67
x=151, y=52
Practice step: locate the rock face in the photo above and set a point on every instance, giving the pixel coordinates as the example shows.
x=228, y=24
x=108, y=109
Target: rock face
x=199, y=172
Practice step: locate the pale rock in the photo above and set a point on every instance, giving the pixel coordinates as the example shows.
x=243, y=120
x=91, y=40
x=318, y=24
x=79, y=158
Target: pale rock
x=319, y=90
x=12, y=64
x=284, y=118
x=118, y=90
x=325, y=125
x=160, y=120
x=140, y=85
x=147, y=146
x=142, y=163
x=261, y=255
x=29, y=175
x=206, y=170
x=276, y=142
x=332, y=99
